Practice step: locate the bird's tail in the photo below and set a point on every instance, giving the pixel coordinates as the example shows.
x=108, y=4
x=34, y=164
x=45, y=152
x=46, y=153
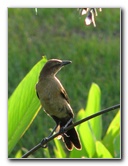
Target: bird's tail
x=71, y=138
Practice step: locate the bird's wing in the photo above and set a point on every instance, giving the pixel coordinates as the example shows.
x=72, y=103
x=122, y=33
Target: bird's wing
x=64, y=94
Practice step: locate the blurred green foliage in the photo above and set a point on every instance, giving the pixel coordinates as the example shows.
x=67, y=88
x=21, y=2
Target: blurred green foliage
x=93, y=146
x=61, y=33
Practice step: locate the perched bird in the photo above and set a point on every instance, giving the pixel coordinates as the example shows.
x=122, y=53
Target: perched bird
x=55, y=102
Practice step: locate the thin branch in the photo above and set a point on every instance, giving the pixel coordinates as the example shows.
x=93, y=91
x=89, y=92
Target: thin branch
x=44, y=142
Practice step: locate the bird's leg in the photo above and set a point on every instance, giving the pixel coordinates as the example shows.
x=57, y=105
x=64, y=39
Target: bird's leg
x=53, y=130
x=70, y=120
x=43, y=145
x=62, y=129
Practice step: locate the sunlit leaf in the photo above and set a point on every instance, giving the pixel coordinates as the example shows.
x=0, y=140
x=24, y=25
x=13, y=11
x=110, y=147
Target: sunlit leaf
x=117, y=146
x=19, y=154
x=84, y=152
x=102, y=151
x=59, y=151
x=46, y=152
x=91, y=130
x=93, y=106
x=23, y=106
x=86, y=137
x=112, y=132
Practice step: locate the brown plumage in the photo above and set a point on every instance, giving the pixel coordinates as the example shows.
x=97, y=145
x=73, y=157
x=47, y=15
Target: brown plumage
x=55, y=102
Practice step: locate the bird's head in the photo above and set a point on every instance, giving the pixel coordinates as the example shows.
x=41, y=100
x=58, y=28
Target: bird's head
x=53, y=66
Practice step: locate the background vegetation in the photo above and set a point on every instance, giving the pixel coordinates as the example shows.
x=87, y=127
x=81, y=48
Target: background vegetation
x=61, y=33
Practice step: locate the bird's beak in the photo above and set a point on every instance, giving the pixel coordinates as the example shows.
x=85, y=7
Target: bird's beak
x=65, y=62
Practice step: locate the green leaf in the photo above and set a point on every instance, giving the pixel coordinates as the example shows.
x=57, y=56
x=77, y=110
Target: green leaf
x=93, y=106
x=102, y=151
x=86, y=137
x=46, y=152
x=91, y=130
x=23, y=106
x=112, y=132
x=117, y=146
x=59, y=151
x=18, y=154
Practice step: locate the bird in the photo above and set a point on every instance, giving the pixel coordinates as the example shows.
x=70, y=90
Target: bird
x=55, y=101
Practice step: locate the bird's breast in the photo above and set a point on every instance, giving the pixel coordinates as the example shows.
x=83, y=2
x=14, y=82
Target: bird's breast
x=51, y=100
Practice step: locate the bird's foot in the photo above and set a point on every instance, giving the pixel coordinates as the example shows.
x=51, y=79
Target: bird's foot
x=62, y=130
x=43, y=142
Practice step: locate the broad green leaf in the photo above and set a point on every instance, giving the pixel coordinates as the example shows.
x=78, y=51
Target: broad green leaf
x=86, y=137
x=114, y=127
x=91, y=130
x=102, y=151
x=112, y=132
x=93, y=106
x=117, y=146
x=83, y=152
x=23, y=106
x=59, y=151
